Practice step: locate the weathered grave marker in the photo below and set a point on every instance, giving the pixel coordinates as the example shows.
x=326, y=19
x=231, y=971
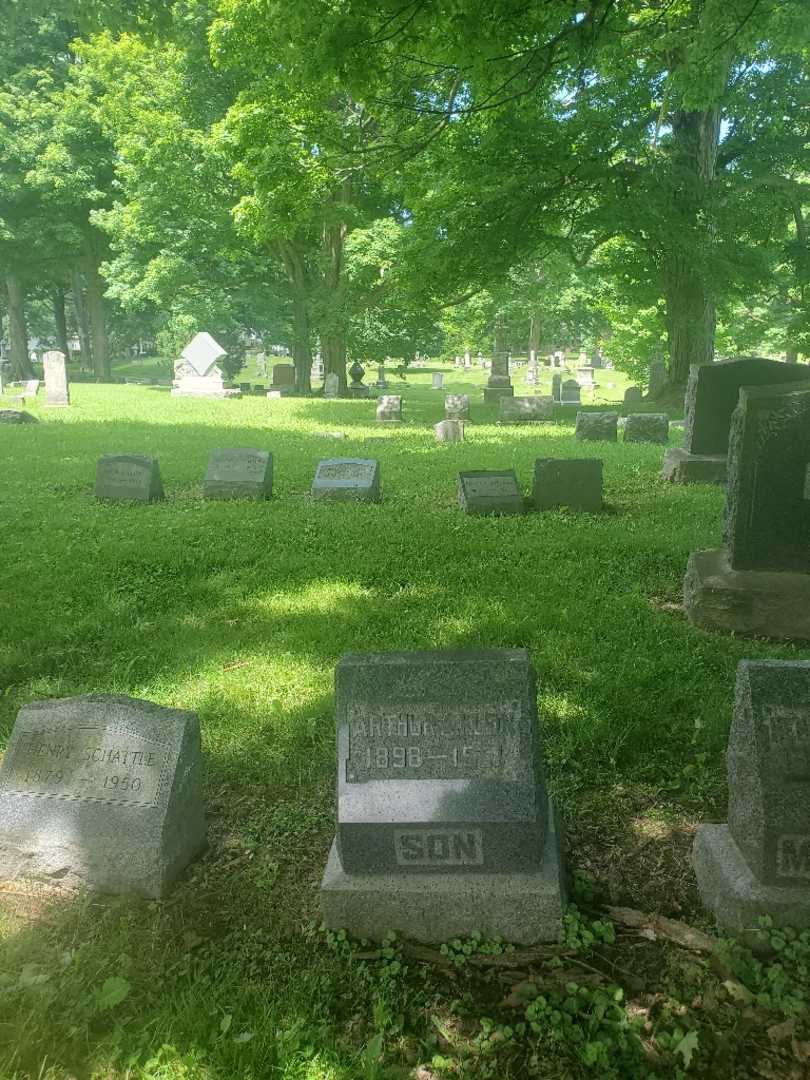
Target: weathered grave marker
x=444, y=826
x=525, y=410
x=712, y=393
x=457, y=407
x=389, y=408
x=449, y=431
x=572, y=482
x=57, y=394
x=128, y=478
x=647, y=427
x=596, y=426
x=331, y=385
x=102, y=791
x=16, y=416
x=197, y=373
x=759, y=863
x=633, y=395
x=759, y=583
x=490, y=491
x=284, y=378
x=437, y=380
x=570, y=392
x=239, y=474
x=343, y=479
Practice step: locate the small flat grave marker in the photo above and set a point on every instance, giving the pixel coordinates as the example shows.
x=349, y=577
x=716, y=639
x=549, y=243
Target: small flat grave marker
x=346, y=479
x=102, y=791
x=239, y=474
x=490, y=491
x=128, y=478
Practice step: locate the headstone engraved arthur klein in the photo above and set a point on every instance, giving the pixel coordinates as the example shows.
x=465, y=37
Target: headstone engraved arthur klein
x=347, y=479
x=490, y=491
x=128, y=478
x=101, y=791
x=759, y=583
x=759, y=863
x=443, y=822
x=239, y=474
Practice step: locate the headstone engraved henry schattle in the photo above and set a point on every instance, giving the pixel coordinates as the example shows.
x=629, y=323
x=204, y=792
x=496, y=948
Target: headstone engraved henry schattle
x=101, y=791
x=712, y=393
x=444, y=826
x=57, y=394
x=343, y=479
x=759, y=583
x=759, y=863
x=239, y=474
x=128, y=478
x=490, y=491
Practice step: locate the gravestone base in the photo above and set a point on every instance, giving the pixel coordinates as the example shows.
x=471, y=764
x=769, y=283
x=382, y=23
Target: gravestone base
x=524, y=908
x=681, y=467
x=359, y=391
x=732, y=893
x=493, y=394
x=754, y=603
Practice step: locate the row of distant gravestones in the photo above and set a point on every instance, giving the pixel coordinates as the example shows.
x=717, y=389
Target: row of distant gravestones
x=444, y=824
x=248, y=473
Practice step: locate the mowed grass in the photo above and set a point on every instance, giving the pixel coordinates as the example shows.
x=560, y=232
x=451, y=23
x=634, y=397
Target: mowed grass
x=241, y=612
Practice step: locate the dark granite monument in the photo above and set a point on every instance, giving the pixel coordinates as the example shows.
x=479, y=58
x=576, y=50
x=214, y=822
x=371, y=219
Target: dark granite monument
x=596, y=426
x=570, y=392
x=490, y=491
x=759, y=863
x=239, y=474
x=444, y=826
x=759, y=583
x=572, y=482
x=712, y=393
x=128, y=478
x=101, y=791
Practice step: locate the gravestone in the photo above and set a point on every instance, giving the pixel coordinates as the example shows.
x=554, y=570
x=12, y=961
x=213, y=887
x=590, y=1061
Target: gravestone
x=389, y=408
x=239, y=474
x=347, y=479
x=467, y=361
x=632, y=395
x=498, y=384
x=16, y=416
x=532, y=375
x=457, y=407
x=331, y=385
x=284, y=379
x=128, y=478
x=596, y=426
x=759, y=863
x=572, y=482
x=657, y=376
x=570, y=392
x=358, y=389
x=197, y=373
x=585, y=376
x=381, y=383
x=490, y=491
x=556, y=387
x=244, y=388
x=444, y=825
x=103, y=792
x=259, y=390
x=449, y=431
x=525, y=410
x=57, y=394
x=438, y=380
x=712, y=393
x=647, y=427
x=759, y=582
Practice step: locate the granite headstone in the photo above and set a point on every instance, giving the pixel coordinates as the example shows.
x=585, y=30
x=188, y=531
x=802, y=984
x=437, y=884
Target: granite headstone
x=647, y=428
x=389, y=408
x=457, y=407
x=239, y=474
x=490, y=491
x=596, y=426
x=759, y=863
x=57, y=394
x=572, y=482
x=347, y=479
x=103, y=792
x=570, y=392
x=444, y=825
x=449, y=431
x=128, y=478
x=523, y=410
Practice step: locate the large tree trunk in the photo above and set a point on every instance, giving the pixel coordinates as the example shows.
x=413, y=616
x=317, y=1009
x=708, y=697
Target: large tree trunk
x=60, y=321
x=17, y=329
x=301, y=347
x=97, y=311
x=690, y=304
x=77, y=288
x=333, y=351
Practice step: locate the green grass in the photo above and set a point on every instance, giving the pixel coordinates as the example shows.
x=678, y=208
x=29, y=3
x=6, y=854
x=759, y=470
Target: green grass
x=241, y=611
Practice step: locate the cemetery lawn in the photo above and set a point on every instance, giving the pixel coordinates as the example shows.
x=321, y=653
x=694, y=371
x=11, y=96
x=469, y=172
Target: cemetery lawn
x=241, y=611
